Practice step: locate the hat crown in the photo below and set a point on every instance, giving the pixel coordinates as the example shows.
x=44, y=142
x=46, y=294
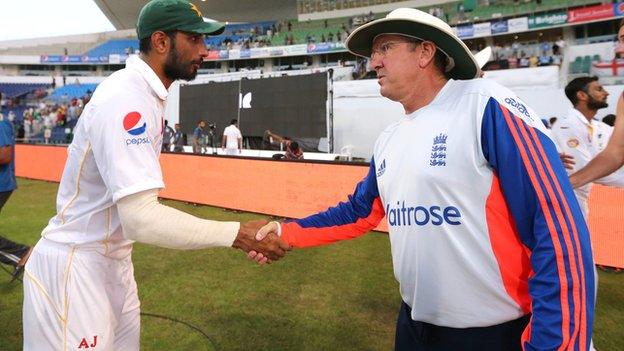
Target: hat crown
x=419, y=16
x=167, y=15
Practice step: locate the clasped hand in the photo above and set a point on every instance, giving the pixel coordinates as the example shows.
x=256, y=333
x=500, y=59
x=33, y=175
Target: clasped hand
x=260, y=241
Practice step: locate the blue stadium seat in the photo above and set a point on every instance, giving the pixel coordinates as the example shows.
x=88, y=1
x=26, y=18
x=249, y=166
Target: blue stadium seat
x=18, y=110
x=12, y=90
x=234, y=32
x=116, y=46
x=71, y=91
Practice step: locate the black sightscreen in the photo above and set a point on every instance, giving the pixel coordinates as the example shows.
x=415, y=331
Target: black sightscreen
x=293, y=106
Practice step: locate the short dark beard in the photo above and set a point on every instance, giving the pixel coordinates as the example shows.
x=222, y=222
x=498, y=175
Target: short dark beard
x=174, y=69
x=595, y=105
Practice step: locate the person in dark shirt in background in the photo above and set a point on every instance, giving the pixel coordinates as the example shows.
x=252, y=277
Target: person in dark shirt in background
x=293, y=151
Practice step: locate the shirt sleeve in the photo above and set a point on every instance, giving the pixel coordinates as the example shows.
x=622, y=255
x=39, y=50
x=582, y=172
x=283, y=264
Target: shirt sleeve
x=549, y=223
x=123, y=143
x=350, y=219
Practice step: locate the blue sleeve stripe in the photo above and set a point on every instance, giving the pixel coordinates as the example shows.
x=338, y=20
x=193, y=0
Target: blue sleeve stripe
x=358, y=206
x=557, y=214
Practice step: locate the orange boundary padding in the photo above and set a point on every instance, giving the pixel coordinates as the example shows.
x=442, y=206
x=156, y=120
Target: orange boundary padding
x=297, y=189
x=606, y=225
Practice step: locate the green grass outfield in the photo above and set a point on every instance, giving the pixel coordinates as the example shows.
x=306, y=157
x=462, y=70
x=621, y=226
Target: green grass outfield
x=338, y=297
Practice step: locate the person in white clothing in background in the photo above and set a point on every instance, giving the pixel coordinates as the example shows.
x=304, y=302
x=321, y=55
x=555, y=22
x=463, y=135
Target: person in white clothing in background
x=232, y=141
x=580, y=135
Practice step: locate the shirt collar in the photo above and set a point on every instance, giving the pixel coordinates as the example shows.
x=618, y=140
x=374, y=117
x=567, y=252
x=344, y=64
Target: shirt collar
x=135, y=63
x=574, y=113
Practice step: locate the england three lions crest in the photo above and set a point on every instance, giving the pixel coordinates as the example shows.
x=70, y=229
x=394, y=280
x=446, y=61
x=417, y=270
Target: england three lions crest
x=438, y=151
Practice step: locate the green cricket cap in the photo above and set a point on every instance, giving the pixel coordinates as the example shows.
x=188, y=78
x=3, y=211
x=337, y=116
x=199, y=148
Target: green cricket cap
x=168, y=15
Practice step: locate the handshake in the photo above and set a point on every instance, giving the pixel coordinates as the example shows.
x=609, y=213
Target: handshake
x=260, y=240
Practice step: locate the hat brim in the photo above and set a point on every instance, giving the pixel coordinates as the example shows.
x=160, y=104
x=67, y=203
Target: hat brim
x=207, y=28
x=361, y=41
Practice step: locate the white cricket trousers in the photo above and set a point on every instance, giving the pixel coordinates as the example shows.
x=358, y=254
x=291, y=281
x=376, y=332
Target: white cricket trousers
x=75, y=298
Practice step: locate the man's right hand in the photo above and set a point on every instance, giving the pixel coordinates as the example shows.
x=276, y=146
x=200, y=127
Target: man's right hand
x=271, y=247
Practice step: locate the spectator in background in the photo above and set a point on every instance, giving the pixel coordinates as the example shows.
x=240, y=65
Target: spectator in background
x=167, y=137
x=27, y=128
x=515, y=47
x=512, y=61
x=11, y=117
x=524, y=61
x=560, y=43
x=545, y=48
x=544, y=60
x=293, y=151
x=232, y=141
x=533, y=61
x=178, y=139
x=73, y=110
x=556, y=59
x=199, y=138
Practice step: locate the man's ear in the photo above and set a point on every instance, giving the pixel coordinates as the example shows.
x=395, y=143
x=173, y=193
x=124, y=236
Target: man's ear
x=427, y=53
x=160, y=42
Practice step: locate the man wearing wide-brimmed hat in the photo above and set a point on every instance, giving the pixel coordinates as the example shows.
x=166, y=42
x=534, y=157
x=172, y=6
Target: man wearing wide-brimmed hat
x=488, y=242
x=79, y=287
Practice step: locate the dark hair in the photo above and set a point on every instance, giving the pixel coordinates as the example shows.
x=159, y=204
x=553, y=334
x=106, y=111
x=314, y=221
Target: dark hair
x=145, y=44
x=609, y=119
x=552, y=121
x=576, y=85
x=621, y=23
x=234, y=121
x=294, y=146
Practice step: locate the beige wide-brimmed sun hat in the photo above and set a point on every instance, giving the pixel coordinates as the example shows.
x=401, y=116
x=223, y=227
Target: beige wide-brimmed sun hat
x=461, y=63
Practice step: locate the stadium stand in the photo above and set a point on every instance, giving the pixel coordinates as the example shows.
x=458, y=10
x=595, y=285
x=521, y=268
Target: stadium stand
x=13, y=90
x=115, y=46
x=488, y=9
x=455, y=11
x=71, y=91
x=278, y=33
x=17, y=110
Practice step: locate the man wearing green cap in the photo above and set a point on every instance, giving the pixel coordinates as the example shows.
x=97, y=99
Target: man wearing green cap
x=488, y=242
x=79, y=287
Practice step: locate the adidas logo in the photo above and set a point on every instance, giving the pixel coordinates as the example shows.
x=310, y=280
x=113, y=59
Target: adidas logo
x=381, y=169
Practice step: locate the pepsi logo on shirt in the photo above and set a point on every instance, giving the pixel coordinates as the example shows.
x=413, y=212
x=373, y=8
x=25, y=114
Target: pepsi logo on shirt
x=134, y=124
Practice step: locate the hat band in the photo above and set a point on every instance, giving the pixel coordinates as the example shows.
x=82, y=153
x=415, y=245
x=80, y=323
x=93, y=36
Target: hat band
x=450, y=62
